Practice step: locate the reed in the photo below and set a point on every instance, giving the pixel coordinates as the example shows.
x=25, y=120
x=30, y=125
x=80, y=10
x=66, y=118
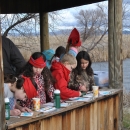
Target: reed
x=28, y=45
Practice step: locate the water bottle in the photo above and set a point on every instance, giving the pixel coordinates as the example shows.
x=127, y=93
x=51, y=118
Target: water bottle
x=57, y=98
x=7, y=109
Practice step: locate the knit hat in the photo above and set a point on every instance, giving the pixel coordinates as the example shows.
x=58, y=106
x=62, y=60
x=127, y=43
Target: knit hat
x=48, y=54
x=39, y=62
x=74, y=38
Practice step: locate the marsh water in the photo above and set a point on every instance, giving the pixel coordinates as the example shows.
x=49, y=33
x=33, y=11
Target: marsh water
x=103, y=66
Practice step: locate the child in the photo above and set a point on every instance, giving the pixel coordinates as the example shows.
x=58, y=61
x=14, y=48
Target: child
x=82, y=75
x=61, y=71
x=13, y=85
x=49, y=55
x=41, y=76
x=73, y=43
x=59, y=51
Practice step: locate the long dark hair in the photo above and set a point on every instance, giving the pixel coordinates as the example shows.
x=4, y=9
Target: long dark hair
x=28, y=71
x=83, y=55
x=59, y=51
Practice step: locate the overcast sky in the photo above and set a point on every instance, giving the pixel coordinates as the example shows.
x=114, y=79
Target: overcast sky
x=68, y=14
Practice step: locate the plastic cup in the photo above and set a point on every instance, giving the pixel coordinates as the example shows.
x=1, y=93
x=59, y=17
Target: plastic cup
x=95, y=91
x=36, y=104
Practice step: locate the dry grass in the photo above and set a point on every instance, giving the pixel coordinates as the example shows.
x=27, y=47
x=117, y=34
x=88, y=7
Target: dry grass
x=126, y=110
x=28, y=45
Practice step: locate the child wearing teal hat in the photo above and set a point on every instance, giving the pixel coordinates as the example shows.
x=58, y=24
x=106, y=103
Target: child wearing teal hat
x=49, y=54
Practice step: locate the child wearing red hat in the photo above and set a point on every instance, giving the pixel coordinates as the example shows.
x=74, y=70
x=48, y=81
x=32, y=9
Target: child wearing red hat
x=36, y=70
x=74, y=42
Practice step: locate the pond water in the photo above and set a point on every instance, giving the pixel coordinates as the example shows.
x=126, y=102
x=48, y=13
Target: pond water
x=103, y=66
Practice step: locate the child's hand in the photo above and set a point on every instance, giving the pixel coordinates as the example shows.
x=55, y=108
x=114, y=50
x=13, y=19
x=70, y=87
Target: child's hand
x=83, y=88
x=23, y=109
x=15, y=112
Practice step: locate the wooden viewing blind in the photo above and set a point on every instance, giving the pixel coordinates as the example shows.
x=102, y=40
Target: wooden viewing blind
x=99, y=114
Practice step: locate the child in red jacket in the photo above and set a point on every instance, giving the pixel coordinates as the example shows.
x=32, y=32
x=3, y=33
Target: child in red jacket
x=61, y=71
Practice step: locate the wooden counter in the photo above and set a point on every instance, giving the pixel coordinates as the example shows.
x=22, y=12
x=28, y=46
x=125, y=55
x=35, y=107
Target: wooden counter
x=102, y=113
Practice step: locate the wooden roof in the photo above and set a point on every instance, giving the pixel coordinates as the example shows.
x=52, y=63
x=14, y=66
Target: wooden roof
x=36, y=6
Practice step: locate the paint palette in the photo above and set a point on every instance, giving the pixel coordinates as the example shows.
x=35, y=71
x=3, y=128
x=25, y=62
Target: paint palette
x=27, y=114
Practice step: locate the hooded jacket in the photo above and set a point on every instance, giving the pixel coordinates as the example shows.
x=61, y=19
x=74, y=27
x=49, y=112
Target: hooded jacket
x=61, y=74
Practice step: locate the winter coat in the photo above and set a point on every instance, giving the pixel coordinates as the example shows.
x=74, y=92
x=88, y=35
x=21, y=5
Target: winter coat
x=61, y=74
x=13, y=60
x=83, y=79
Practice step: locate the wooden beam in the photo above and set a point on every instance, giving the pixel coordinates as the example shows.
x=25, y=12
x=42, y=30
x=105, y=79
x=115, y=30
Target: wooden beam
x=115, y=52
x=37, y=6
x=115, y=43
x=2, y=104
x=44, y=31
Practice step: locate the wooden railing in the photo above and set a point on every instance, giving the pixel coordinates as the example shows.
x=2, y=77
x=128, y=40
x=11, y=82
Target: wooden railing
x=101, y=113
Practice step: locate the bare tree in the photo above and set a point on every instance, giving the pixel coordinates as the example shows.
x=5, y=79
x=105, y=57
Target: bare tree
x=25, y=23
x=17, y=21
x=93, y=26
x=24, y=26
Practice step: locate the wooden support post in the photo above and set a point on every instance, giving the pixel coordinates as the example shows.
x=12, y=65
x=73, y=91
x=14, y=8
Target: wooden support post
x=115, y=43
x=115, y=51
x=2, y=104
x=44, y=31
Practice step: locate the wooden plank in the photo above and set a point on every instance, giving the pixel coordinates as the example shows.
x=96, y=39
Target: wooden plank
x=19, y=128
x=56, y=122
x=110, y=114
x=105, y=114
x=73, y=118
x=2, y=104
x=92, y=116
x=115, y=43
x=116, y=112
x=118, y=44
x=64, y=121
x=95, y=116
x=45, y=124
x=101, y=116
x=44, y=31
x=80, y=123
x=87, y=117
x=120, y=111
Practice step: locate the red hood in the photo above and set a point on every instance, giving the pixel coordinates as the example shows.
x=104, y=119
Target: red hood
x=61, y=74
x=59, y=67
